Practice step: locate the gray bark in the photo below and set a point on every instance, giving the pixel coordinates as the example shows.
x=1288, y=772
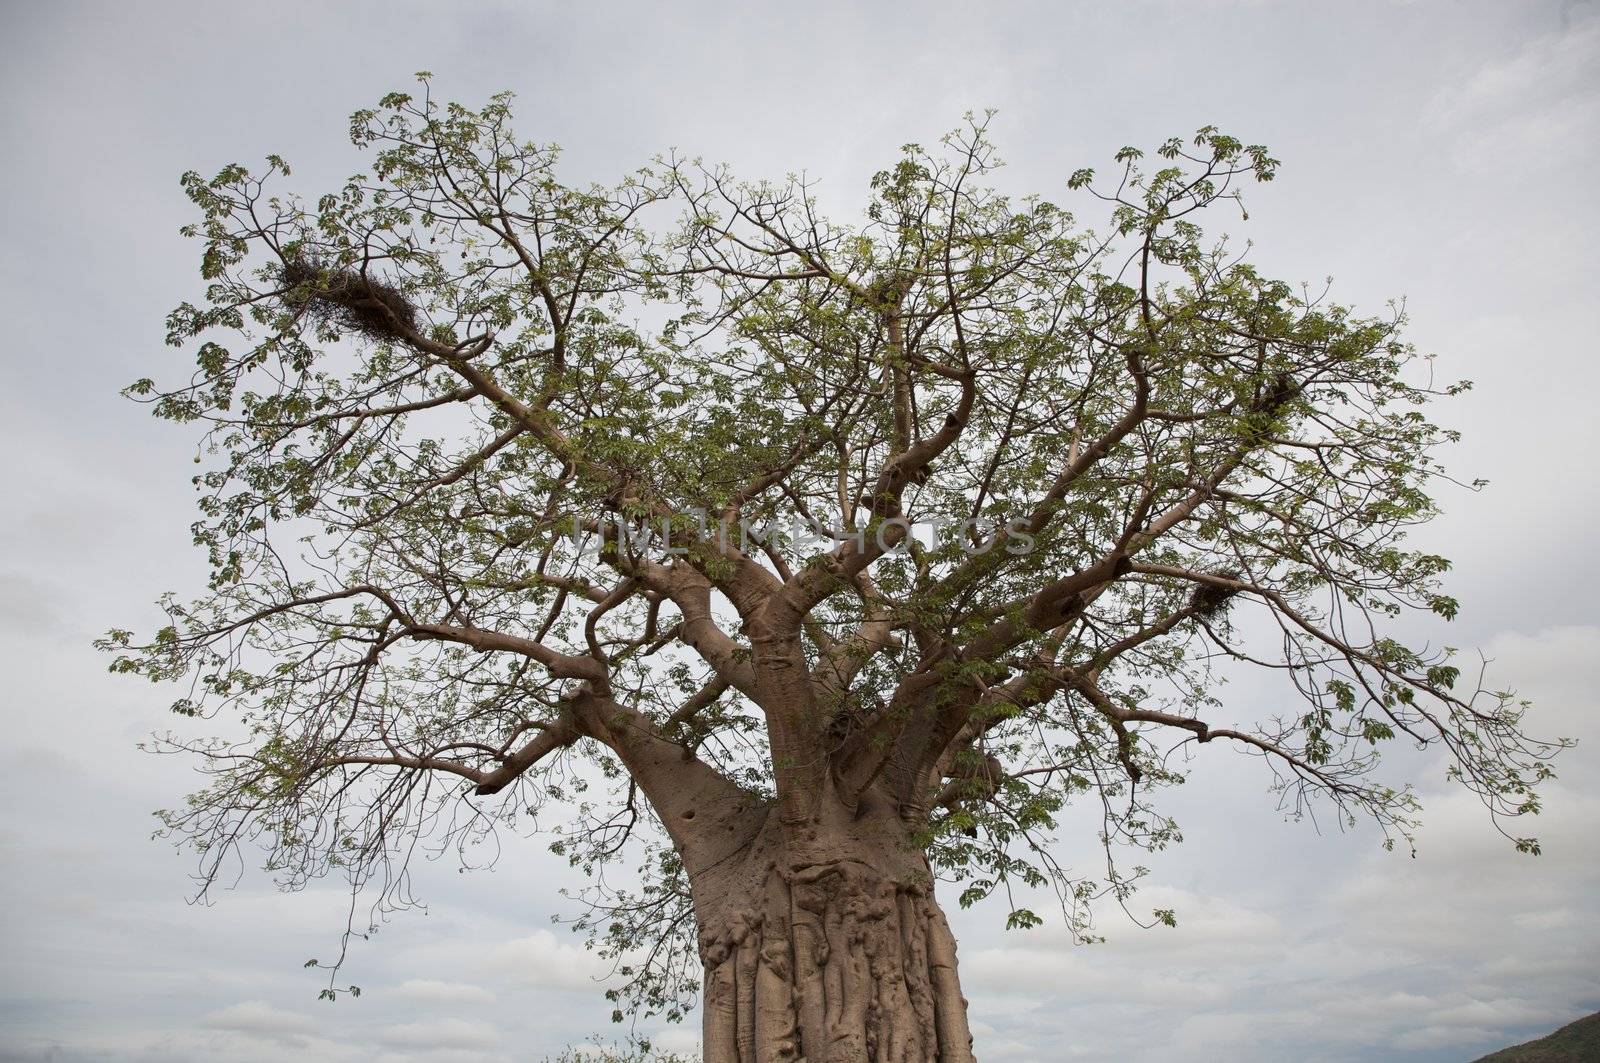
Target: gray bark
x=823, y=943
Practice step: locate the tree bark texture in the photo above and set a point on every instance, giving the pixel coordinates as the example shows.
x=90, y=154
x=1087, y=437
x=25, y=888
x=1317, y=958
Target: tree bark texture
x=823, y=943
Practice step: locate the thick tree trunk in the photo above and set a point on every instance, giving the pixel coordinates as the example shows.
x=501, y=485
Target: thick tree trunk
x=822, y=943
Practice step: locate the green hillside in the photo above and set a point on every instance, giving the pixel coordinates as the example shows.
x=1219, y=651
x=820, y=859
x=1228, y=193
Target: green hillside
x=1576, y=1043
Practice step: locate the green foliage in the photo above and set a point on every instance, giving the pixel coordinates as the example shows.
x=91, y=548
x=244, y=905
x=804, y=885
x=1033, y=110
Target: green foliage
x=415, y=387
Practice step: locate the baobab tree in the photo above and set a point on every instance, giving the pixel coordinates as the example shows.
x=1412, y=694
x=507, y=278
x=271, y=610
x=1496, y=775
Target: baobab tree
x=807, y=563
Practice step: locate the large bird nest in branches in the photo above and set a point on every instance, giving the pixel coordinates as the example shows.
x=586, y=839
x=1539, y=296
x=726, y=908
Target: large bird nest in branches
x=1210, y=599
x=350, y=300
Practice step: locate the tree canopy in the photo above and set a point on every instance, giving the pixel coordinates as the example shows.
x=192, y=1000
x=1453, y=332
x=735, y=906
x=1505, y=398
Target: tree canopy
x=573, y=509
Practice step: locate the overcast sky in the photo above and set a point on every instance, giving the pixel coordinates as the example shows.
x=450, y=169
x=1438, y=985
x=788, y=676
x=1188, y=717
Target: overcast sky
x=1435, y=151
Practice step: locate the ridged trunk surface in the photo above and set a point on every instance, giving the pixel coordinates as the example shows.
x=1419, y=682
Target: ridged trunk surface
x=823, y=943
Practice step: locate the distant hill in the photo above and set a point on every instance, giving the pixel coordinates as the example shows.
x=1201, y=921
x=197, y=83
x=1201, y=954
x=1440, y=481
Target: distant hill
x=1577, y=1043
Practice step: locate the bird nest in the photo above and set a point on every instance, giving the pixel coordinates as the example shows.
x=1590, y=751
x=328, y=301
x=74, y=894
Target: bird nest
x=1209, y=599
x=350, y=300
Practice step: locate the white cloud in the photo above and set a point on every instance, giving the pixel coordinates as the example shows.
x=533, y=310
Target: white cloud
x=541, y=960
x=431, y=991
x=261, y=1020
x=1443, y=1037
x=440, y=1034
x=1531, y=107
x=682, y=1039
